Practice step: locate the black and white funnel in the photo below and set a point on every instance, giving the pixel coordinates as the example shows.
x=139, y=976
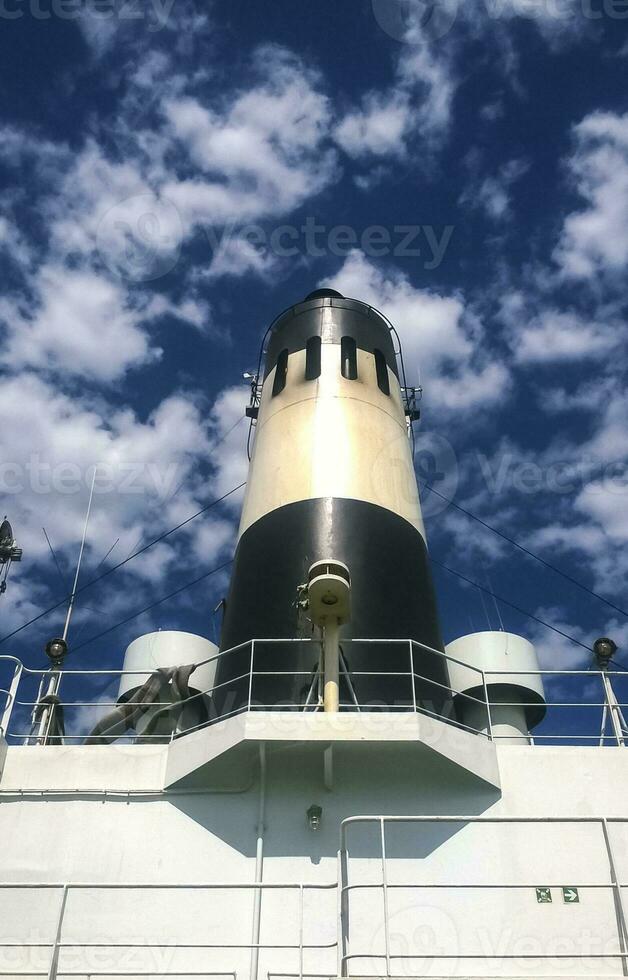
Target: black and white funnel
x=332, y=477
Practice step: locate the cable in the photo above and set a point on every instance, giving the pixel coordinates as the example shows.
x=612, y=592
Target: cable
x=526, y=551
x=507, y=602
x=56, y=560
x=176, y=490
x=104, y=558
x=218, y=568
x=157, y=602
x=114, y=568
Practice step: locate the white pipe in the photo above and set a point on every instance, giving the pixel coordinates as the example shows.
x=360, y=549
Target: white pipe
x=331, y=657
x=259, y=864
x=508, y=723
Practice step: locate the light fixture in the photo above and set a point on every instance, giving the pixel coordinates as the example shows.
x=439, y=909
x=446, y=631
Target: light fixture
x=604, y=650
x=56, y=649
x=314, y=816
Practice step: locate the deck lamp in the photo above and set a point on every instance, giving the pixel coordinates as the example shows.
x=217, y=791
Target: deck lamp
x=56, y=649
x=314, y=816
x=604, y=650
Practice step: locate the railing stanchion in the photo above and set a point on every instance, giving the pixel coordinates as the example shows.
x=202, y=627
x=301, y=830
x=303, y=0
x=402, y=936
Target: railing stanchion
x=301, y=931
x=385, y=893
x=488, y=708
x=619, y=902
x=342, y=937
x=6, y=715
x=54, y=958
x=251, y=674
x=414, y=707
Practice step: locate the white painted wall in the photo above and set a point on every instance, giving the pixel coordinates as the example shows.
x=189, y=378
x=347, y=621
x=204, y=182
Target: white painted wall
x=91, y=836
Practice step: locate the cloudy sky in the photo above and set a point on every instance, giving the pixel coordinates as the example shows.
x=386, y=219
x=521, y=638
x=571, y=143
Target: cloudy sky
x=174, y=173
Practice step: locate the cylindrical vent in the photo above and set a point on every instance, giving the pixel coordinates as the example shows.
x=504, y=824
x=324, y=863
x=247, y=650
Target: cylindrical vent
x=488, y=664
x=332, y=477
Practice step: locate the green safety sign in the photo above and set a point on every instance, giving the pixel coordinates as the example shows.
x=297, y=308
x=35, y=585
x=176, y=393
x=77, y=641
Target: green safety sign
x=571, y=896
x=544, y=895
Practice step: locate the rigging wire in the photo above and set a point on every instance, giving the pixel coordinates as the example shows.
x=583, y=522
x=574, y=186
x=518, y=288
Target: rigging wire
x=124, y=561
x=176, y=490
x=56, y=561
x=104, y=558
x=63, y=579
x=526, y=551
x=507, y=602
x=434, y=561
x=157, y=602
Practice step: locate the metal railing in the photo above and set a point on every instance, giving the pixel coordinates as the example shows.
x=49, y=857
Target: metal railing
x=385, y=886
x=576, y=712
x=384, y=961
x=58, y=944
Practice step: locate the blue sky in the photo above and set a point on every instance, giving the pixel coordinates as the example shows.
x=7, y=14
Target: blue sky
x=173, y=175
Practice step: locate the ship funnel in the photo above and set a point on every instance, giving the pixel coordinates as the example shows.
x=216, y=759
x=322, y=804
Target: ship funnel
x=332, y=485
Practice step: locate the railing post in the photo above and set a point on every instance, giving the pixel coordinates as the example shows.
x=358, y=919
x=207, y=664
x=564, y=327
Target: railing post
x=8, y=708
x=301, y=931
x=54, y=958
x=619, y=902
x=412, y=676
x=385, y=893
x=611, y=710
x=251, y=674
x=49, y=714
x=488, y=707
x=343, y=907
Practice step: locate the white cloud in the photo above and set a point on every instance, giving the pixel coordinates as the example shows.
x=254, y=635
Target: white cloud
x=78, y=323
x=595, y=239
x=418, y=103
x=191, y=310
x=605, y=502
x=117, y=219
x=239, y=256
x=556, y=652
x=609, y=441
x=588, y=397
x=554, y=337
x=492, y=194
x=441, y=339
x=379, y=126
x=152, y=473
x=114, y=215
x=229, y=457
x=428, y=74
x=264, y=154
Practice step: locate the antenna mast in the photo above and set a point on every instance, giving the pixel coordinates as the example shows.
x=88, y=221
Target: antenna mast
x=44, y=712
